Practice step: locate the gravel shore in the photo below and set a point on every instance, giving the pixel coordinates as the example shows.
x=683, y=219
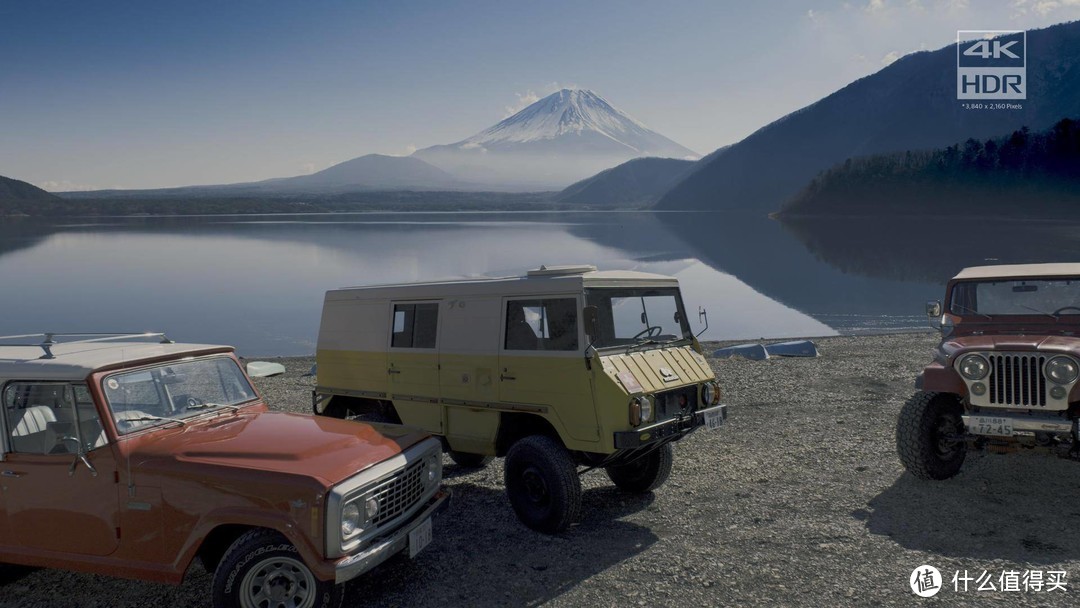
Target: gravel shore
x=798, y=500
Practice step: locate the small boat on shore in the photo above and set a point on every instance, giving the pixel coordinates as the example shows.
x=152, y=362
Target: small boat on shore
x=264, y=369
x=795, y=348
x=754, y=352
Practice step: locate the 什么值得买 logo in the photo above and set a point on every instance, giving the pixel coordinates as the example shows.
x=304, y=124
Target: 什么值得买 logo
x=991, y=64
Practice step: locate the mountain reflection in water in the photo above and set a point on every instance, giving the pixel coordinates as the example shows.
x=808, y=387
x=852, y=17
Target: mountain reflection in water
x=258, y=281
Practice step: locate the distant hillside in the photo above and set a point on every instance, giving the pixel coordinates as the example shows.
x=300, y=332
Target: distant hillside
x=12, y=190
x=372, y=172
x=369, y=172
x=1031, y=175
x=909, y=105
x=350, y=202
x=20, y=198
x=636, y=182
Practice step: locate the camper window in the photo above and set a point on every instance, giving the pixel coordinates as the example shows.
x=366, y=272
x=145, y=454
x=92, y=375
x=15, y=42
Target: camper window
x=542, y=325
x=415, y=325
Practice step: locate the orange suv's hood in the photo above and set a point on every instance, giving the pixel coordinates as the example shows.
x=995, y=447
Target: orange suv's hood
x=324, y=448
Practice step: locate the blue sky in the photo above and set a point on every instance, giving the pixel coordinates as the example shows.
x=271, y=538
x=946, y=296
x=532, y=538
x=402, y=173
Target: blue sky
x=152, y=94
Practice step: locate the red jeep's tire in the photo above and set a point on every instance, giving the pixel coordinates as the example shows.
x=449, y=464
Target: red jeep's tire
x=263, y=569
x=644, y=474
x=542, y=484
x=924, y=422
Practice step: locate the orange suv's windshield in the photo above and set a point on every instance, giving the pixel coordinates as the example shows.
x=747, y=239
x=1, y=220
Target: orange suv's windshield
x=174, y=391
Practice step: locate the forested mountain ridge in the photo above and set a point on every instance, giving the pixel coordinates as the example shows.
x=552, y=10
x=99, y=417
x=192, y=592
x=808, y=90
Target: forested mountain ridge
x=1023, y=174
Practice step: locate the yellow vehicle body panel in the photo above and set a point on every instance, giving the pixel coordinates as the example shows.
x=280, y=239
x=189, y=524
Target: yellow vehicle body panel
x=351, y=370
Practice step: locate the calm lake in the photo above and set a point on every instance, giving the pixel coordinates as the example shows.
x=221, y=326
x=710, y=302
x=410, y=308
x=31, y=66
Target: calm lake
x=257, y=282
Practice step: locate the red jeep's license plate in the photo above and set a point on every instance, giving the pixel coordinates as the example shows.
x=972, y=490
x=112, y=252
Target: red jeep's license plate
x=991, y=425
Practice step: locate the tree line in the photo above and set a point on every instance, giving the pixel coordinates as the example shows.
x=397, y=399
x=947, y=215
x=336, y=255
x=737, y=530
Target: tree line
x=1024, y=174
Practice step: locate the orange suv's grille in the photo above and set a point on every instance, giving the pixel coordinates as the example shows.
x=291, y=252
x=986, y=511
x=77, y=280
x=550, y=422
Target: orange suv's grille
x=400, y=492
x=1017, y=380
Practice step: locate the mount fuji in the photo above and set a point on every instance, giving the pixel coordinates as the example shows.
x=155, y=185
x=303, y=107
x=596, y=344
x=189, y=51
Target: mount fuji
x=560, y=139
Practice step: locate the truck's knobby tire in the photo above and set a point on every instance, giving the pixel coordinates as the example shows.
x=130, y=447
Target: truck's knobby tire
x=466, y=460
x=542, y=484
x=262, y=564
x=923, y=420
x=644, y=474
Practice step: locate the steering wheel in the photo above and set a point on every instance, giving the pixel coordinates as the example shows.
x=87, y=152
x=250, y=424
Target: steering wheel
x=649, y=332
x=1064, y=308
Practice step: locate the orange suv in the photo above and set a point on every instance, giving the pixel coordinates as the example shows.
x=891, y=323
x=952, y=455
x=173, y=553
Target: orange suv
x=130, y=455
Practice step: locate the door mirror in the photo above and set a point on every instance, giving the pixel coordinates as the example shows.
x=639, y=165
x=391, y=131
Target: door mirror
x=591, y=321
x=933, y=309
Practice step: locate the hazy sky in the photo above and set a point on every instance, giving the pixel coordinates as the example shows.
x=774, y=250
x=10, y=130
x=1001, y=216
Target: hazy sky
x=145, y=94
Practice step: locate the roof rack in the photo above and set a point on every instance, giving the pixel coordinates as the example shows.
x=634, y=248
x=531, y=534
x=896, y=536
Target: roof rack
x=49, y=339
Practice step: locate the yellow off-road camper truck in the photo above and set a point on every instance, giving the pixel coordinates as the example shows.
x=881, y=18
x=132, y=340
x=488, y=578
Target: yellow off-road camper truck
x=563, y=368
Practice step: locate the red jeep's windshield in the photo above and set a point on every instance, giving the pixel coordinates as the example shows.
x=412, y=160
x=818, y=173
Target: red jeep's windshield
x=1051, y=297
x=174, y=391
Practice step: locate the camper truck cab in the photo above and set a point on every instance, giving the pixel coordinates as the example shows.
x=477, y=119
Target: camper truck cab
x=562, y=368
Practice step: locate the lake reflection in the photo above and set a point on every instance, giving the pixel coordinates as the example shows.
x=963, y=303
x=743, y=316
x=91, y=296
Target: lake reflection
x=258, y=282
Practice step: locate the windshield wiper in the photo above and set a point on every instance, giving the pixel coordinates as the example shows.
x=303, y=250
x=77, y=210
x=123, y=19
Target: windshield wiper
x=961, y=306
x=203, y=406
x=650, y=342
x=1041, y=312
x=151, y=417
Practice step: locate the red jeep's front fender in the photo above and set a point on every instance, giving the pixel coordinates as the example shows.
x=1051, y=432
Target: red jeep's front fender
x=940, y=379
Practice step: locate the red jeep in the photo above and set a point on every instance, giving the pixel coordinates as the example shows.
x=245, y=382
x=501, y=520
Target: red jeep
x=1004, y=377
x=130, y=458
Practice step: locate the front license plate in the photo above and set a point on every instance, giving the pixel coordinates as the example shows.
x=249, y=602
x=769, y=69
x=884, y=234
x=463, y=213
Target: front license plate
x=419, y=537
x=990, y=425
x=714, y=419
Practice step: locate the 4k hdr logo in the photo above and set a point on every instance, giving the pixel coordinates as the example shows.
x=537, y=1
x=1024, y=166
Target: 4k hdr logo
x=991, y=64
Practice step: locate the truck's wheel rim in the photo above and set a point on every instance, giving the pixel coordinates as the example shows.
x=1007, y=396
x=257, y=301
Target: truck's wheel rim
x=947, y=445
x=535, y=488
x=278, y=582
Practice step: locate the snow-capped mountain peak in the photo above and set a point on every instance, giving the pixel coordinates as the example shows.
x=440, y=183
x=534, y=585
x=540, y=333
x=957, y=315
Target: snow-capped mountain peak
x=569, y=111
x=564, y=137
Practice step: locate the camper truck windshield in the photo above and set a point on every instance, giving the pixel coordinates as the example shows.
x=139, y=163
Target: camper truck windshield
x=628, y=316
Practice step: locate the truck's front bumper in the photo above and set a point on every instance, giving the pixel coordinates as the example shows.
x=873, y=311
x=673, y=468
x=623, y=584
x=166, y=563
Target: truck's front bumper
x=668, y=430
x=1016, y=424
x=382, y=549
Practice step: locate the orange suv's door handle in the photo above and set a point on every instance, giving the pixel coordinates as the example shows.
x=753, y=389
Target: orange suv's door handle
x=393, y=371
x=505, y=377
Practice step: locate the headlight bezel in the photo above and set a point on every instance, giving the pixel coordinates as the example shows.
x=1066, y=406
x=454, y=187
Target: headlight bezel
x=1075, y=373
x=972, y=358
x=710, y=393
x=647, y=409
x=350, y=512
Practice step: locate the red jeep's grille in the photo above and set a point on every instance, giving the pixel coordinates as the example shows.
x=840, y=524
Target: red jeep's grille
x=1017, y=380
x=400, y=492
